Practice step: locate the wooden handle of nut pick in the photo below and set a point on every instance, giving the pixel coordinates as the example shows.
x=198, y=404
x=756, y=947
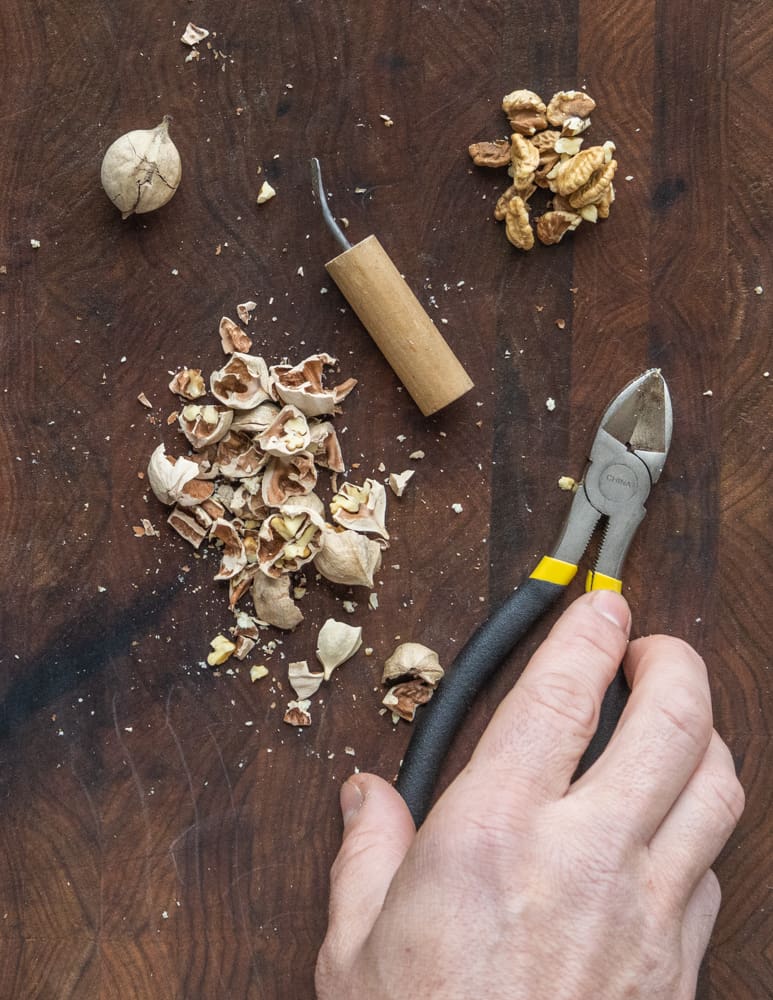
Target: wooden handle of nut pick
x=395, y=319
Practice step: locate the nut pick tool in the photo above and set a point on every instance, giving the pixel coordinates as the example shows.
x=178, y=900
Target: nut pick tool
x=627, y=457
x=393, y=316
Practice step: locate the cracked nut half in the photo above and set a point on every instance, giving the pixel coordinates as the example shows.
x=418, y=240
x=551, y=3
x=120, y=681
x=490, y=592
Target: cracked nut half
x=569, y=104
x=553, y=226
x=490, y=154
x=525, y=111
x=517, y=226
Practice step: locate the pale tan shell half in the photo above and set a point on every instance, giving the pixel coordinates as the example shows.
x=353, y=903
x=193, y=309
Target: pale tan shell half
x=303, y=681
x=204, y=425
x=242, y=383
x=361, y=508
x=412, y=660
x=336, y=643
x=347, y=557
x=272, y=601
x=301, y=385
x=284, y=478
x=168, y=478
x=257, y=420
x=287, y=540
x=287, y=435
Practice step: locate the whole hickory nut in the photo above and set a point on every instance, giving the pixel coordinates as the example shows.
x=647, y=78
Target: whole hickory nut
x=142, y=170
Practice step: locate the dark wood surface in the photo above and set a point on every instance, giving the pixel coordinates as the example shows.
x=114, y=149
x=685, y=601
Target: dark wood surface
x=152, y=842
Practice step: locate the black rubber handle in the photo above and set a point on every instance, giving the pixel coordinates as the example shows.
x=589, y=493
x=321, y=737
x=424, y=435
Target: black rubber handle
x=437, y=721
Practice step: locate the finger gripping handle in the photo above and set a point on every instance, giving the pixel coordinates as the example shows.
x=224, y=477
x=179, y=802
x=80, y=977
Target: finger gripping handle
x=437, y=721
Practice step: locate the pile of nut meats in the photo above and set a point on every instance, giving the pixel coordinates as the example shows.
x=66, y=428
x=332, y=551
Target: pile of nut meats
x=545, y=151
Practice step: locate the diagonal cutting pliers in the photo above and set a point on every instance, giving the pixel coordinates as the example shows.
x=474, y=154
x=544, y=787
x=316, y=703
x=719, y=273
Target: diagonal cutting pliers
x=626, y=458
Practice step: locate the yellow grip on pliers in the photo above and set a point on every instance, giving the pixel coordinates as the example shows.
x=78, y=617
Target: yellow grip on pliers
x=554, y=571
x=600, y=581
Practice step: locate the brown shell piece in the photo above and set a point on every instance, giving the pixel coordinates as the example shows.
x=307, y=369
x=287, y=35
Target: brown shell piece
x=237, y=457
x=552, y=226
x=324, y=446
x=297, y=713
x=595, y=188
x=187, y=526
x=242, y=383
x=239, y=585
x=188, y=383
x=569, y=104
x=404, y=699
x=233, y=338
x=233, y=558
x=288, y=477
x=196, y=491
x=287, y=435
x=204, y=425
x=517, y=226
x=490, y=154
x=301, y=385
x=525, y=111
x=577, y=170
x=272, y=601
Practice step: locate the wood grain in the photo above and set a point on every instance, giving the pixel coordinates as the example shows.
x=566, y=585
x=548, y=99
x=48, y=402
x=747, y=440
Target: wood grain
x=163, y=834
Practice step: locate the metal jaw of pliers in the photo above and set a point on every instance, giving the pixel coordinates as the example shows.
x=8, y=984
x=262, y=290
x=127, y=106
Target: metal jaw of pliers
x=626, y=458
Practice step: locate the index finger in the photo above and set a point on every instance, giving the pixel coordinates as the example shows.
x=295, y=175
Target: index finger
x=542, y=728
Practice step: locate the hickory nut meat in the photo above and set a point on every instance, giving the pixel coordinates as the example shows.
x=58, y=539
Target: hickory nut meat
x=578, y=181
x=141, y=170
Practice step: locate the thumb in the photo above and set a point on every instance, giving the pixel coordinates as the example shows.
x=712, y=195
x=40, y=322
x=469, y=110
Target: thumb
x=378, y=830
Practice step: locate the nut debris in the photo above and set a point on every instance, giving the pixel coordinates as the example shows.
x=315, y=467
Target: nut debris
x=552, y=158
x=193, y=34
x=413, y=671
x=266, y=193
x=246, y=491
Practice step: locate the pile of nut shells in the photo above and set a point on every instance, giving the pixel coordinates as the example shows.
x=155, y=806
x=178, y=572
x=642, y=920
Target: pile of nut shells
x=545, y=151
x=256, y=437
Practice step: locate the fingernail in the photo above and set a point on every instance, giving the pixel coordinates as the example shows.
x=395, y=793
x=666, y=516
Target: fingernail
x=351, y=799
x=613, y=607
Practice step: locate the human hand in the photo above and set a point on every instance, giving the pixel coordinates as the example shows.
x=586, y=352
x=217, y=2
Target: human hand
x=521, y=885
